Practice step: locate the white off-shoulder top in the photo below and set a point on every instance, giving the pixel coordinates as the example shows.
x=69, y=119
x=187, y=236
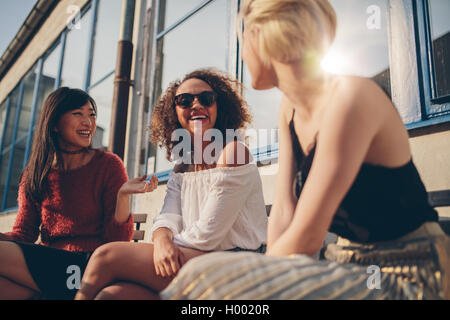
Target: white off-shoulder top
x=216, y=209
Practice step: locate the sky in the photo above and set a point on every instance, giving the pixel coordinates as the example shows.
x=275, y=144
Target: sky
x=12, y=15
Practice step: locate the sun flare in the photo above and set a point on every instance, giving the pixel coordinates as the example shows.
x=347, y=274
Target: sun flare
x=333, y=62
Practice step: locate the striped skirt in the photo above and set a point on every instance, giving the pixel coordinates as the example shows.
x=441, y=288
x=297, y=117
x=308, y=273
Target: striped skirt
x=411, y=269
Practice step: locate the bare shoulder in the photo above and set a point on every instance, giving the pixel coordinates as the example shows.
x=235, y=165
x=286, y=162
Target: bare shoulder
x=359, y=97
x=234, y=154
x=363, y=90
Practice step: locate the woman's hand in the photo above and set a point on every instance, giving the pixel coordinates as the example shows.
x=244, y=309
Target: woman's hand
x=136, y=185
x=167, y=256
x=139, y=185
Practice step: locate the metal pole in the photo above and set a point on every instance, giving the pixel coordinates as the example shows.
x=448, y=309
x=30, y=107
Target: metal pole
x=122, y=81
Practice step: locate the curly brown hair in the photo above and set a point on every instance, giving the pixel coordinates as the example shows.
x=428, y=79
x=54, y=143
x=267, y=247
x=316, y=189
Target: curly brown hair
x=232, y=110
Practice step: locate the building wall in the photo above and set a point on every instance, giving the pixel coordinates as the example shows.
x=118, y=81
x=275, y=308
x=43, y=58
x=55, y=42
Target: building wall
x=49, y=32
x=431, y=154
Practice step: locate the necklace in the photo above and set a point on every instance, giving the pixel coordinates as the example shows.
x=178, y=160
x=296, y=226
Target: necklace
x=73, y=152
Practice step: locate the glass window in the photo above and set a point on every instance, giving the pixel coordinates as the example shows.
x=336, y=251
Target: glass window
x=27, y=101
x=440, y=35
x=183, y=52
x=3, y=110
x=75, y=55
x=106, y=37
x=361, y=46
x=11, y=121
x=199, y=42
x=4, y=162
x=103, y=96
x=173, y=10
x=48, y=78
x=16, y=172
x=264, y=106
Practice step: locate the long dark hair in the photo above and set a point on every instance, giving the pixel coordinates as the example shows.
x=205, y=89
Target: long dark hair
x=45, y=142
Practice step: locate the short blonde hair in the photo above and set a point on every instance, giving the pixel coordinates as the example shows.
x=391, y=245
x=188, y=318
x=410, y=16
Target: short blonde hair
x=290, y=30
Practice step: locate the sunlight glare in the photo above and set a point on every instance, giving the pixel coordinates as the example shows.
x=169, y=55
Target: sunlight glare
x=334, y=62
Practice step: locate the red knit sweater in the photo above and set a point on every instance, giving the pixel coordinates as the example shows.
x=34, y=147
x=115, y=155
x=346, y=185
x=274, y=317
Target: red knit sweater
x=79, y=213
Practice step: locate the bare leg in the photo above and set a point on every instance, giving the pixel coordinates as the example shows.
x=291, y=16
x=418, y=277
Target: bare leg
x=123, y=261
x=10, y=290
x=15, y=279
x=126, y=291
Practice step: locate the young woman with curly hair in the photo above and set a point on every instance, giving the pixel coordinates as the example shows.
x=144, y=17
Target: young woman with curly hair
x=232, y=112
x=211, y=204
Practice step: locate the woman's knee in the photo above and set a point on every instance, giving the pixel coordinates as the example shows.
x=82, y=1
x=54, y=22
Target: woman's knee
x=126, y=291
x=105, y=254
x=13, y=265
x=11, y=257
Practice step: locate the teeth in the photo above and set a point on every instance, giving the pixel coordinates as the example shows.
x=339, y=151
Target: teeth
x=84, y=132
x=198, y=117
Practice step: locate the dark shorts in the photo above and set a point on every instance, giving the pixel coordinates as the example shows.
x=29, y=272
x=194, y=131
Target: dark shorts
x=57, y=273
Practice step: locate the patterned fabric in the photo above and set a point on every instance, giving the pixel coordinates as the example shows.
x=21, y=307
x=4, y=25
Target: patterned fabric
x=415, y=269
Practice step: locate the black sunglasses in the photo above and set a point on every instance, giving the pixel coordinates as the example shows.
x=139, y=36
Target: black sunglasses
x=185, y=100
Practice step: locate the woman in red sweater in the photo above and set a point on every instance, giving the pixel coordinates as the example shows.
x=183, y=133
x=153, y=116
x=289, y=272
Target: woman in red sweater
x=75, y=197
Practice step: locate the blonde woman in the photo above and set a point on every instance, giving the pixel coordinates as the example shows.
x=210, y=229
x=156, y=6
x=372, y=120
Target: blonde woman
x=344, y=166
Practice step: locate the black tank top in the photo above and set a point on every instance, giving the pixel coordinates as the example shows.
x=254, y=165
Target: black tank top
x=382, y=204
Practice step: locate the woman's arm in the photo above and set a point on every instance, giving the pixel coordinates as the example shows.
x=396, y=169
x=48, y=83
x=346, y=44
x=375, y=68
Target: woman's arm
x=134, y=186
x=28, y=219
x=118, y=222
x=345, y=137
x=167, y=256
x=284, y=203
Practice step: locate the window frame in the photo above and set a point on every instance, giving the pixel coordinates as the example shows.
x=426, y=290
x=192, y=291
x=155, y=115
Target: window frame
x=434, y=109
x=163, y=176
x=13, y=142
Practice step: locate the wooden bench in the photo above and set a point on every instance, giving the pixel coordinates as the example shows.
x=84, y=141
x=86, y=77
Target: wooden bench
x=437, y=199
x=440, y=199
x=138, y=233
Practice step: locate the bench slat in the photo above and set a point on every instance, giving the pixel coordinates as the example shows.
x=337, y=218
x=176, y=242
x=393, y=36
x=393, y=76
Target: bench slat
x=445, y=224
x=439, y=198
x=138, y=235
x=268, y=207
x=436, y=199
x=140, y=217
